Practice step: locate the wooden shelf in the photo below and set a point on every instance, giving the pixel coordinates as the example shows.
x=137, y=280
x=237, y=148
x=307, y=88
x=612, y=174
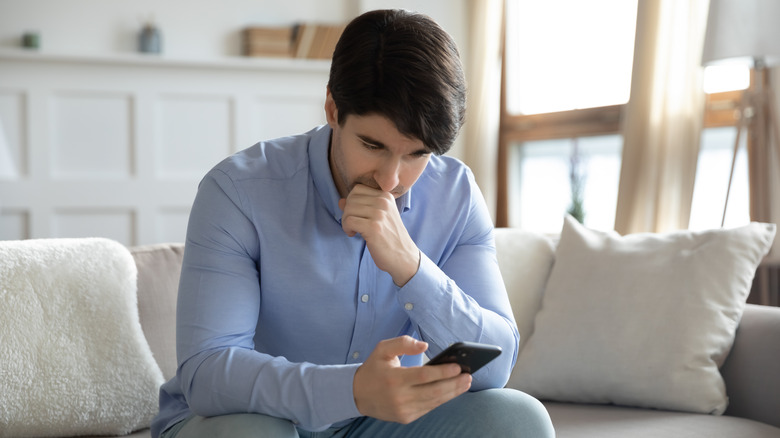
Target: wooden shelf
x=139, y=59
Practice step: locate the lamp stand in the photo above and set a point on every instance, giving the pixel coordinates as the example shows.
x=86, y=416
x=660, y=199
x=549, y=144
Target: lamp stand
x=758, y=116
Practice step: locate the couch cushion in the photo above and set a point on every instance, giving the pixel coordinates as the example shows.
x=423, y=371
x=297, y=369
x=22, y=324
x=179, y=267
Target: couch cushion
x=525, y=259
x=641, y=320
x=159, y=267
x=73, y=357
x=588, y=421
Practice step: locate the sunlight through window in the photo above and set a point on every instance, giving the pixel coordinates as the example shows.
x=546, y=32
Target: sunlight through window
x=568, y=54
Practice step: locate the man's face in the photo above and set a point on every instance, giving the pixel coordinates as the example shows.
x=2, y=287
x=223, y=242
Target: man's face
x=370, y=150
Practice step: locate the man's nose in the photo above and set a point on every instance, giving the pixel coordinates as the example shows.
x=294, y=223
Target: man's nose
x=387, y=174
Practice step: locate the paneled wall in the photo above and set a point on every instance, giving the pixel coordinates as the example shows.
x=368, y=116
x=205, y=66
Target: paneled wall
x=114, y=146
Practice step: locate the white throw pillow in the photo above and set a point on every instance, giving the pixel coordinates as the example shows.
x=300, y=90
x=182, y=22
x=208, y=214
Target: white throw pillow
x=525, y=259
x=73, y=357
x=641, y=320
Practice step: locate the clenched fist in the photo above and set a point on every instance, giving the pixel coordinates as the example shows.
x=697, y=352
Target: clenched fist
x=373, y=214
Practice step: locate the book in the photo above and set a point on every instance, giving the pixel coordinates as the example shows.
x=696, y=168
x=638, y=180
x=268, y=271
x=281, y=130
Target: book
x=316, y=41
x=269, y=41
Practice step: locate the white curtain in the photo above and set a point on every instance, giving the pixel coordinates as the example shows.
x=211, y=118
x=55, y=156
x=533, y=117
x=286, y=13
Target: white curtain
x=663, y=118
x=483, y=74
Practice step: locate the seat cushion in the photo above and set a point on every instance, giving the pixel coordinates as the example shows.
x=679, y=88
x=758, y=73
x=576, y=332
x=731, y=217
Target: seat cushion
x=606, y=421
x=159, y=267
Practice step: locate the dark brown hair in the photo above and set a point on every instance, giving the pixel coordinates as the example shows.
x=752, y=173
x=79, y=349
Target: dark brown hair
x=403, y=66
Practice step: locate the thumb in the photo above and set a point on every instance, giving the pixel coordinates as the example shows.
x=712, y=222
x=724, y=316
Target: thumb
x=403, y=345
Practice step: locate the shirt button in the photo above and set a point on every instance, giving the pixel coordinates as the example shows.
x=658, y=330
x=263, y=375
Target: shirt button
x=364, y=298
x=355, y=355
x=408, y=306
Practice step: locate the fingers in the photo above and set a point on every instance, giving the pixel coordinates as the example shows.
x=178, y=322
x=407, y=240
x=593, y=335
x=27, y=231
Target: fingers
x=385, y=390
x=418, y=400
x=373, y=214
x=365, y=208
x=403, y=345
x=435, y=393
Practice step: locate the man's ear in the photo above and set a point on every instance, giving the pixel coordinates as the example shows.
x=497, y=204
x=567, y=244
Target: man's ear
x=331, y=112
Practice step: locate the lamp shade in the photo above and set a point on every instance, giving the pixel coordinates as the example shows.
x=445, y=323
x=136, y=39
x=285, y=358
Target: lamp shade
x=742, y=30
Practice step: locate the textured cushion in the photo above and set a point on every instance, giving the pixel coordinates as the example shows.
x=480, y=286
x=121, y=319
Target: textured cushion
x=641, y=320
x=159, y=268
x=74, y=359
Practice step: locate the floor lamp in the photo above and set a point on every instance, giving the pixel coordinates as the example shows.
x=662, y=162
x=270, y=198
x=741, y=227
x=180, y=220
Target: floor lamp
x=746, y=31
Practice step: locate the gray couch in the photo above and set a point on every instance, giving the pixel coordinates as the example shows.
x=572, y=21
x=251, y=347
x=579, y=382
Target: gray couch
x=751, y=371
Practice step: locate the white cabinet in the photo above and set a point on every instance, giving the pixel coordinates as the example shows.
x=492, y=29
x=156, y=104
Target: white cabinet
x=115, y=146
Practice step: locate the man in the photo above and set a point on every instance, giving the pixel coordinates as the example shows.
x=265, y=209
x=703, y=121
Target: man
x=319, y=268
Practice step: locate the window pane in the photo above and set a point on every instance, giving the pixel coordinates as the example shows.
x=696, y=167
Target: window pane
x=719, y=78
x=540, y=191
x=712, y=178
x=568, y=54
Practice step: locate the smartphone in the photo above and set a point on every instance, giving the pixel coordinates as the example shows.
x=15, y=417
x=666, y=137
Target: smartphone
x=471, y=356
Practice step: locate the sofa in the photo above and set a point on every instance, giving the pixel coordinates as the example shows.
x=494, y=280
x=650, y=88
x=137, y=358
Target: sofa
x=751, y=370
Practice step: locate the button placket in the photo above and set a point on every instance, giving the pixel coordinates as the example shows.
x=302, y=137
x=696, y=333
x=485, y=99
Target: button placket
x=364, y=315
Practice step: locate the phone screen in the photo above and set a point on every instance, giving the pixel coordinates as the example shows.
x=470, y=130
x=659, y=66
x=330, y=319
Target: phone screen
x=471, y=356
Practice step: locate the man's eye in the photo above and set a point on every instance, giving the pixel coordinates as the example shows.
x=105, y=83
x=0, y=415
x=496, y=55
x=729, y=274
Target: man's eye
x=370, y=146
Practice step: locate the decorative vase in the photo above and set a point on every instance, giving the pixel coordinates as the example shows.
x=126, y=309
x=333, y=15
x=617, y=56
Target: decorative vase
x=150, y=39
x=31, y=40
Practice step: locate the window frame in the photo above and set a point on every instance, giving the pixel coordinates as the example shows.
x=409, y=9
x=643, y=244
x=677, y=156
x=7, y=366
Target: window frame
x=722, y=109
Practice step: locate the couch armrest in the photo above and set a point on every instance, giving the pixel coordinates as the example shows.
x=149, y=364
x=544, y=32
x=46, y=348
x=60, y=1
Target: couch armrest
x=752, y=369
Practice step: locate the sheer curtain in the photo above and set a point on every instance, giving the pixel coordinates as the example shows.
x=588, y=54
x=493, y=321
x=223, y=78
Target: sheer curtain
x=663, y=118
x=483, y=74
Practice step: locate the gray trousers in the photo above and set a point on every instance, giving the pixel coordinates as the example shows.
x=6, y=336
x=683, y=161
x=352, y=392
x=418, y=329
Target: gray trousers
x=490, y=413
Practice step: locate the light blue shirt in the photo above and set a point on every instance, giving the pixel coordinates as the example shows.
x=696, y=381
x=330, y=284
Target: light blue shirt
x=278, y=307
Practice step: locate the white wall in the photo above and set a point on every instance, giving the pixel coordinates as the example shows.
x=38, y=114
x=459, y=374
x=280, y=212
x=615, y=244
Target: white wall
x=191, y=28
x=98, y=140
x=195, y=29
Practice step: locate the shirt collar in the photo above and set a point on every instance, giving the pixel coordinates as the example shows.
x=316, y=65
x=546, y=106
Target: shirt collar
x=323, y=178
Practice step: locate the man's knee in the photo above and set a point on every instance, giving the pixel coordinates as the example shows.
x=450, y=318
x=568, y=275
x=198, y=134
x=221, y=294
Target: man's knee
x=237, y=425
x=508, y=412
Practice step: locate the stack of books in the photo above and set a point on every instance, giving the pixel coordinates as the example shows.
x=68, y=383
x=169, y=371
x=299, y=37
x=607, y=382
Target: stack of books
x=268, y=41
x=305, y=40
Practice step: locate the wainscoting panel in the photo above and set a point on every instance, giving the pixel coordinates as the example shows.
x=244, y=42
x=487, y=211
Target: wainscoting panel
x=13, y=142
x=89, y=222
x=193, y=133
x=116, y=146
x=171, y=224
x=90, y=135
x=273, y=115
x=14, y=225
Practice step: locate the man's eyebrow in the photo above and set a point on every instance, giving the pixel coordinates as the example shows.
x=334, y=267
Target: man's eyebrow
x=379, y=144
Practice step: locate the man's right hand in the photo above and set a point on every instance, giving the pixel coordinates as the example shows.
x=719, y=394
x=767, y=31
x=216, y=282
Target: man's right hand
x=385, y=390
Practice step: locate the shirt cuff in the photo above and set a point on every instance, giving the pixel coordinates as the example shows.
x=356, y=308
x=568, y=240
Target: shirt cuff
x=333, y=390
x=427, y=283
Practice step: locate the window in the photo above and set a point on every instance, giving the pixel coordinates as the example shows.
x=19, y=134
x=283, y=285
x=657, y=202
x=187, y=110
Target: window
x=724, y=86
x=568, y=54
x=566, y=82
x=567, y=76
x=553, y=176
